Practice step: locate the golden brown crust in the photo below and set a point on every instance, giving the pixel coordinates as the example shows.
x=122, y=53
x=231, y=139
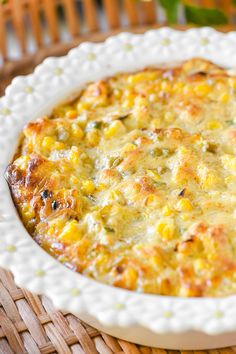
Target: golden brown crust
x=133, y=183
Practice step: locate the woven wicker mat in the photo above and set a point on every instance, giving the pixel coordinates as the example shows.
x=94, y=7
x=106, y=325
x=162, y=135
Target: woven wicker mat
x=30, y=324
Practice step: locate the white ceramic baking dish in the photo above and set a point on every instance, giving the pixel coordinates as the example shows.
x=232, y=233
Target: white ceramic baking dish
x=168, y=322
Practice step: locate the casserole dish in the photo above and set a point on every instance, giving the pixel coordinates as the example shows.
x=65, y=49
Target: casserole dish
x=163, y=321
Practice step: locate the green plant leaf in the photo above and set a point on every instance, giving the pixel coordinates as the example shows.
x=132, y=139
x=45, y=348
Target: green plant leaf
x=171, y=9
x=234, y=2
x=204, y=16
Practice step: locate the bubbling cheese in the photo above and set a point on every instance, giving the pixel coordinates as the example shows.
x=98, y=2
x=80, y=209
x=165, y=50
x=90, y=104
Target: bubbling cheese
x=133, y=183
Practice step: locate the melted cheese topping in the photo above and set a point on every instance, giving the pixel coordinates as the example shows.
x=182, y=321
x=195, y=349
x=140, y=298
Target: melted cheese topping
x=134, y=182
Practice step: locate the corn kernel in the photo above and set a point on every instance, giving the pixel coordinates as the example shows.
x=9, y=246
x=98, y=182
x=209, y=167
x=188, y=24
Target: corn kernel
x=88, y=187
x=128, y=100
x=117, y=196
x=182, y=150
x=82, y=106
x=48, y=142
x=143, y=76
x=166, y=230
x=56, y=225
x=210, y=181
x=184, y=216
x=22, y=162
x=167, y=211
x=82, y=120
x=155, y=123
x=224, y=98
x=178, y=86
x=74, y=180
x=56, y=175
x=117, y=93
x=154, y=175
x=74, y=155
x=166, y=87
x=128, y=103
x=184, y=204
x=28, y=212
x=179, y=175
x=77, y=131
x=213, y=125
x=101, y=186
x=205, y=177
x=129, y=147
x=115, y=129
x=133, y=79
x=59, y=145
x=212, y=256
x=71, y=114
x=51, y=231
x=160, y=227
x=141, y=102
x=93, y=138
x=189, y=292
x=71, y=232
x=165, y=288
x=232, y=82
x=65, y=167
x=200, y=264
x=130, y=277
x=153, y=201
x=229, y=162
x=202, y=89
x=156, y=261
x=82, y=247
x=102, y=259
x=230, y=179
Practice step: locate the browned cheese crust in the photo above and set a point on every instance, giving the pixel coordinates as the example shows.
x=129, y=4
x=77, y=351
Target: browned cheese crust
x=133, y=183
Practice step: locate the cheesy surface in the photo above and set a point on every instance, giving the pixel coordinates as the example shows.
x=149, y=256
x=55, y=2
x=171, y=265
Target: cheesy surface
x=134, y=182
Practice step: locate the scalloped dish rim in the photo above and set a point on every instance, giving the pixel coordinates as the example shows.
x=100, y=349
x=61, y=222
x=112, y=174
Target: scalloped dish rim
x=30, y=96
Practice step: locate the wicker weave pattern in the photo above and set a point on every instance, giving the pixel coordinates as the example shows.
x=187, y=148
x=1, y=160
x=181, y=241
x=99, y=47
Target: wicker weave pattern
x=30, y=324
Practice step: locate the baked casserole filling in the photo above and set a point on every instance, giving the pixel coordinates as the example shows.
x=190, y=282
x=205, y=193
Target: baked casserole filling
x=133, y=183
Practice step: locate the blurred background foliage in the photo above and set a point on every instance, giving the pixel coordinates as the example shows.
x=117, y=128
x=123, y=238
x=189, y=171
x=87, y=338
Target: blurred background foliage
x=197, y=15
